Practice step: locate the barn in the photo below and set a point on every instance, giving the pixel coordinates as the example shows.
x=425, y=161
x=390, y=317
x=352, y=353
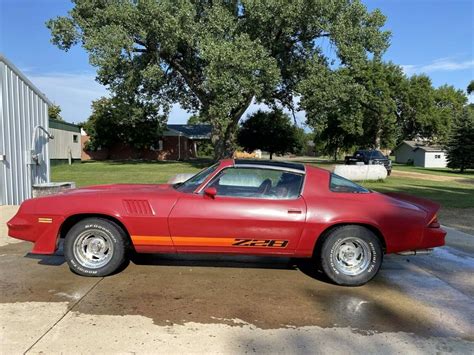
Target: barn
x=24, y=136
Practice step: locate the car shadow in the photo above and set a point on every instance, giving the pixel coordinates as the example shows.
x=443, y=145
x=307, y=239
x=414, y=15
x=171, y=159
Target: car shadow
x=51, y=260
x=231, y=261
x=306, y=266
x=56, y=259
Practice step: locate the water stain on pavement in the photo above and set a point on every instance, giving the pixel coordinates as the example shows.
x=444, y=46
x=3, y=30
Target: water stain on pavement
x=267, y=292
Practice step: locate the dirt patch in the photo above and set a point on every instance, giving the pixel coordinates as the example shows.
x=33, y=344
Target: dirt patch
x=409, y=174
x=458, y=218
x=430, y=177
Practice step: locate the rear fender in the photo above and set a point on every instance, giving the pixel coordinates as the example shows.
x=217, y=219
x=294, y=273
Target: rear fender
x=430, y=207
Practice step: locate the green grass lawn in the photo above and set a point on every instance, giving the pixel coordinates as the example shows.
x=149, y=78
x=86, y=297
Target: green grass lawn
x=137, y=172
x=434, y=171
x=449, y=194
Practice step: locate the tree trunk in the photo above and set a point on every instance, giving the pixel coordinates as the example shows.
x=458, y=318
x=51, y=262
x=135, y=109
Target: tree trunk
x=378, y=135
x=271, y=155
x=224, y=140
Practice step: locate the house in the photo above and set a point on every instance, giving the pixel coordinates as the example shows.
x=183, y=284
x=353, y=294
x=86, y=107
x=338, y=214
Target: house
x=178, y=142
x=24, y=136
x=421, y=154
x=66, y=145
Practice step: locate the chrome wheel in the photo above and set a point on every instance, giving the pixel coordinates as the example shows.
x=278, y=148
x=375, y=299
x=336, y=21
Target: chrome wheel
x=93, y=248
x=351, y=256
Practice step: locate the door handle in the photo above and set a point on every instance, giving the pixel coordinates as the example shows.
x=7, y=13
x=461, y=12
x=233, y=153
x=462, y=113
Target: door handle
x=295, y=211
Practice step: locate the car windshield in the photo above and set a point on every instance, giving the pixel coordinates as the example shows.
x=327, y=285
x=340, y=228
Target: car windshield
x=191, y=184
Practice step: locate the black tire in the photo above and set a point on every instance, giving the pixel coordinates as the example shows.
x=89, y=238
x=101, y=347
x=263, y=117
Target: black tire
x=351, y=255
x=107, y=240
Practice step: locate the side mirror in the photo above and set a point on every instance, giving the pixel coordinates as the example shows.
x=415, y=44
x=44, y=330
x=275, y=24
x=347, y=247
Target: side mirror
x=210, y=192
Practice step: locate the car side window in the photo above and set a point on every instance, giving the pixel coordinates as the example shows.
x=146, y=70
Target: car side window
x=257, y=183
x=339, y=184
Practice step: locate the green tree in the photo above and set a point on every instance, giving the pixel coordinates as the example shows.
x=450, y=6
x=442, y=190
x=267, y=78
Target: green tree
x=353, y=105
x=54, y=113
x=114, y=121
x=195, y=119
x=460, y=146
x=416, y=109
x=216, y=57
x=272, y=132
x=470, y=87
x=449, y=104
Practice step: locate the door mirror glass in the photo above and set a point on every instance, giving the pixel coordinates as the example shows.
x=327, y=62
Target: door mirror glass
x=210, y=192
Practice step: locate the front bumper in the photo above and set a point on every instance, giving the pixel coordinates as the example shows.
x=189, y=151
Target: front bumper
x=42, y=230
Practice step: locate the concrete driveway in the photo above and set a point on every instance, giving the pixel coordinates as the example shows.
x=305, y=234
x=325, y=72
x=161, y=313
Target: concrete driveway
x=207, y=304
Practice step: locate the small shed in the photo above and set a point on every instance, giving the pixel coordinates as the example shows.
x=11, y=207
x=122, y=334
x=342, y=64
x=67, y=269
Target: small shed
x=66, y=145
x=404, y=152
x=430, y=157
x=24, y=135
x=421, y=154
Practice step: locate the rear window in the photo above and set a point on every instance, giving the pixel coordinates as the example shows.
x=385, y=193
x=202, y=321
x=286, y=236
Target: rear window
x=340, y=184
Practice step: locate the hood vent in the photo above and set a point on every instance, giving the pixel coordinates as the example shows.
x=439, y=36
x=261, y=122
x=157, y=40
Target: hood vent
x=138, y=207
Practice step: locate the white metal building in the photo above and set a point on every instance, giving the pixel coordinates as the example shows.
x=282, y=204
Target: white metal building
x=23, y=135
x=430, y=157
x=66, y=145
x=420, y=154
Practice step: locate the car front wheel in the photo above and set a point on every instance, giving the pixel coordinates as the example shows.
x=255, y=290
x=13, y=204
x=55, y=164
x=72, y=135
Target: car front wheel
x=95, y=247
x=351, y=255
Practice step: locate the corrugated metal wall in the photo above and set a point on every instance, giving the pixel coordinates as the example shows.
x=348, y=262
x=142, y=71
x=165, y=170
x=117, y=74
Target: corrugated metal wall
x=22, y=108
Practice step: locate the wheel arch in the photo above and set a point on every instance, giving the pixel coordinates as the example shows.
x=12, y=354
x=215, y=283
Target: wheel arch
x=70, y=221
x=327, y=231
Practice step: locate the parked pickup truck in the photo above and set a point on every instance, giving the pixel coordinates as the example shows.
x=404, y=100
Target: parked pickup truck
x=369, y=157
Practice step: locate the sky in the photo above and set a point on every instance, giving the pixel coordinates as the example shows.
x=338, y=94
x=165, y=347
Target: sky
x=435, y=37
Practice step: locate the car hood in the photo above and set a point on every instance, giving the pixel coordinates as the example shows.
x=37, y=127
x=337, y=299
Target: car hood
x=117, y=189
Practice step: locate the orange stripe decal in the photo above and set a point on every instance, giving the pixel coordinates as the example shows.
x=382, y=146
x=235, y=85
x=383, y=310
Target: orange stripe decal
x=203, y=241
x=206, y=241
x=151, y=240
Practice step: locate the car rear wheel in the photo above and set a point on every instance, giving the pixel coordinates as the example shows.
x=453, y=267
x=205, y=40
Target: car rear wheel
x=96, y=247
x=351, y=255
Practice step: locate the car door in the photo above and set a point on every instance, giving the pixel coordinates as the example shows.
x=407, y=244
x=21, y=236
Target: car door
x=244, y=216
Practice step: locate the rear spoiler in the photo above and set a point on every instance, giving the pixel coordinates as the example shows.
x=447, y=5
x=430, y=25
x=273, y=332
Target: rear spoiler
x=429, y=206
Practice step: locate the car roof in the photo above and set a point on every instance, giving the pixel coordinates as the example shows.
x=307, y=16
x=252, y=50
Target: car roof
x=271, y=164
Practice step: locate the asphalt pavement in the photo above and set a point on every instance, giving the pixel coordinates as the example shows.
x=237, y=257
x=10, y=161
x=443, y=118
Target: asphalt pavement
x=222, y=304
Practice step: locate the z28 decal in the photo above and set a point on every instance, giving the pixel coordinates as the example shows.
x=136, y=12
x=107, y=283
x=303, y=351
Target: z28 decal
x=260, y=243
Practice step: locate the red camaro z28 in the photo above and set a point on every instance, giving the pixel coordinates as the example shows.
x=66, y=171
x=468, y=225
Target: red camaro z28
x=233, y=207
